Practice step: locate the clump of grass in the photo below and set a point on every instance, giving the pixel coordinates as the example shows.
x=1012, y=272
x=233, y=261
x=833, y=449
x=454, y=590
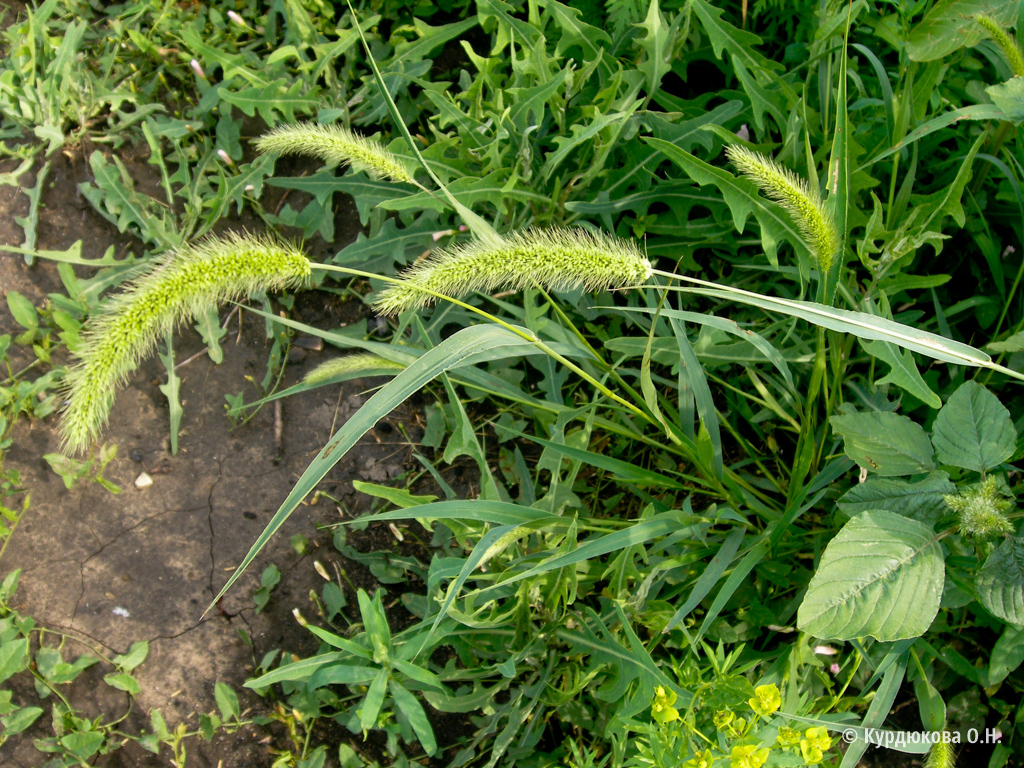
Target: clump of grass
x=801, y=202
x=1006, y=42
x=559, y=259
x=179, y=287
x=348, y=364
x=336, y=144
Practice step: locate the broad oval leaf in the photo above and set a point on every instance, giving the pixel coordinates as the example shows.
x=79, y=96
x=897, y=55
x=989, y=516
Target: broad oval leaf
x=948, y=27
x=885, y=443
x=1000, y=583
x=974, y=430
x=881, y=576
x=921, y=500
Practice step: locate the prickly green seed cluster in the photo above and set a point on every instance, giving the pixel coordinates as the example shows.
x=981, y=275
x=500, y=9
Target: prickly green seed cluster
x=335, y=144
x=348, y=364
x=1006, y=43
x=796, y=197
x=982, y=509
x=560, y=259
x=180, y=287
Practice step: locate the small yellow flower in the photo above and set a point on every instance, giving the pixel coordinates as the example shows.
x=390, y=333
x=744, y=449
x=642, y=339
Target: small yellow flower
x=748, y=757
x=662, y=709
x=723, y=718
x=788, y=737
x=766, y=700
x=814, y=744
x=700, y=760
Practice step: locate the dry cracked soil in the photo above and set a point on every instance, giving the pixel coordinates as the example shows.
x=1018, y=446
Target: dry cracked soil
x=109, y=570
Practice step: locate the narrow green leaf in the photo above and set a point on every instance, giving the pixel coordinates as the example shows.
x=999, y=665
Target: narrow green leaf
x=374, y=701
x=476, y=341
x=417, y=718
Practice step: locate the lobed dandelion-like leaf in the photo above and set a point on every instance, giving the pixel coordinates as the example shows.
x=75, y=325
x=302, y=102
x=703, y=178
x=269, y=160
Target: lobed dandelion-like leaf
x=336, y=144
x=178, y=288
x=348, y=364
x=1006, y=42
x=560, y=259
x=801, y=202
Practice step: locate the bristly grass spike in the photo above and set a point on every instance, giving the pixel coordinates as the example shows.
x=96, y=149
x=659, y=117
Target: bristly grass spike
x=560, y=259
x=179, y=287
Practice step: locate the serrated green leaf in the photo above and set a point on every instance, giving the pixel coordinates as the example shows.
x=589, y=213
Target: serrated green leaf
x=739, y=43
x=920, y=500
x=210, y=329
x=881, y=576
x=887, y=444
x=270, y=101
x=655, y=45
x=468, y=191
x=974, y=430
x=1000, y=583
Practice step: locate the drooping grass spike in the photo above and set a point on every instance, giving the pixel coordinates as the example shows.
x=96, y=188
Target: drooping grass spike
x=559, y=259
x=801, y=202
x=1006, y=42
x=181, y=286
x=349, y=364
x=336, y=144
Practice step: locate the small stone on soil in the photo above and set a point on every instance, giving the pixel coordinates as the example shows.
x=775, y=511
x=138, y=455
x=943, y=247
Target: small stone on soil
x=143, y=481
x=137, y=456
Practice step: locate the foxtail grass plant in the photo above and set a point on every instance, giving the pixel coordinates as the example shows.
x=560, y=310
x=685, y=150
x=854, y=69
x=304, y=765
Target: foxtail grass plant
x=1006, y=42
x=181, y=286
x=801, y=202
x=349, y=364
x=559, y=259
x=337, y=145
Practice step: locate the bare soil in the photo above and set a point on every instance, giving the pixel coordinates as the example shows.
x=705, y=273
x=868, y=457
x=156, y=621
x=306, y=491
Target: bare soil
x=110, y=569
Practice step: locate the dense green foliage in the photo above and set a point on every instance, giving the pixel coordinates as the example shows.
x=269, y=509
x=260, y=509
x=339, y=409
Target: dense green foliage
x=793, y=433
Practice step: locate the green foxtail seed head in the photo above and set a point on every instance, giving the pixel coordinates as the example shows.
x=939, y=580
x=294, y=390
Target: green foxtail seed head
x=1006, y=44
x=941, y=755
x=179, y=287
x=348, y=364
x=560, y=259
x=335, y=144
x=982, y=509
x=796, y=197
